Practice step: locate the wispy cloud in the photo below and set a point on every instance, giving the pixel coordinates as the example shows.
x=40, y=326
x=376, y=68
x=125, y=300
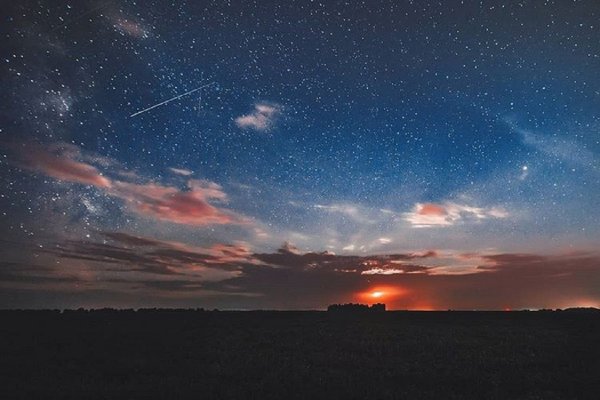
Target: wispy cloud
x=59, y=161
x=263, y=117
x=295, y=279
x=558, y=146
x=192, y=206
x=348, y=210
x=167, y=203
x=289, y=256
x=181, y=171
x=427, y=215
x=142, y=258
x=508, y=280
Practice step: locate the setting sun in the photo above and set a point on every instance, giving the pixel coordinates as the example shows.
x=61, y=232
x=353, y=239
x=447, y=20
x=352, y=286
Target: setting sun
x=377, y=294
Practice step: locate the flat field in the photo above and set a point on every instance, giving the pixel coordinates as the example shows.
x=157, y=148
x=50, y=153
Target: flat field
x=299, y=355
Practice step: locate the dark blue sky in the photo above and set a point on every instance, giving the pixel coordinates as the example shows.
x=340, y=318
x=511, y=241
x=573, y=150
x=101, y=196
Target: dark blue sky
x=359, y=128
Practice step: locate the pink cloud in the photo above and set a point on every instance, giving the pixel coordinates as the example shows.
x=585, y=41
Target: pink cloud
x=60, y=164
x=171, y=204
x=431, y=209
x=191, y=206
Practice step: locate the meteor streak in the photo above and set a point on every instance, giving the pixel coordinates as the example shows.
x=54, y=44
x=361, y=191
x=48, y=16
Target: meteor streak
x=170, y=100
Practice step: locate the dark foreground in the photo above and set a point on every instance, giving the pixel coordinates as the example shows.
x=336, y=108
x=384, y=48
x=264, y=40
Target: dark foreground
x=299, y=355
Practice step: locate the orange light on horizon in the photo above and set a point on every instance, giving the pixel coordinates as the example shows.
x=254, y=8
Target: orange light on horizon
x=380, y=293
x=582, y=302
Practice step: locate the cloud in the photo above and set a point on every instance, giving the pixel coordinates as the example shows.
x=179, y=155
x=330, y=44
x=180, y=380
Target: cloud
x=561, y=148
x=557, y=146
x=219, y=274
x=393, y=271
x=348, y=210
x=31, y=273
x=512, y=259
x=288, y=248
x=123, y=252
x=122, y=262
x=502, y=280
x=167, y=203
x=432, y=209
x=262, y=118
x=426, y=215
x=59, y=161
x=191, y=206
x=132, y=240
x=289, y=256
x=181, y=171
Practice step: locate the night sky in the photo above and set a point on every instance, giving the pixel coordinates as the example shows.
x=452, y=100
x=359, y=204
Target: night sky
x=243, y=155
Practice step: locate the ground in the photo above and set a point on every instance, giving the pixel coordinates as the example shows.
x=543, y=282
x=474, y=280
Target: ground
x=299, y=355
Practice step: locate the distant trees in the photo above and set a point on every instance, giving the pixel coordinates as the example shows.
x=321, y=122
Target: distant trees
x=351, y=307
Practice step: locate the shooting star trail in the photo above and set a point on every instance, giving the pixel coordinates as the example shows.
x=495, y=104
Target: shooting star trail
x=170, y=100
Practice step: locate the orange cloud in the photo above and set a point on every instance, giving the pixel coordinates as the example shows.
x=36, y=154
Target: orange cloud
x=431, y=209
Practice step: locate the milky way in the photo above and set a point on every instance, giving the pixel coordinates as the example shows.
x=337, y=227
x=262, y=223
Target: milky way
x=277, y=155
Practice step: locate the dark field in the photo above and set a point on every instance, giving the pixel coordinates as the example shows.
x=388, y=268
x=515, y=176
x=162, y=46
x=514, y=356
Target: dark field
x=300, y=355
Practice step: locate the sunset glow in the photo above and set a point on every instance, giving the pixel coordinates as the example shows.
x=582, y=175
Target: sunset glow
x=380, y=294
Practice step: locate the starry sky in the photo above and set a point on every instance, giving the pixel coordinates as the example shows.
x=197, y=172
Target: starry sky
x=289, y=155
